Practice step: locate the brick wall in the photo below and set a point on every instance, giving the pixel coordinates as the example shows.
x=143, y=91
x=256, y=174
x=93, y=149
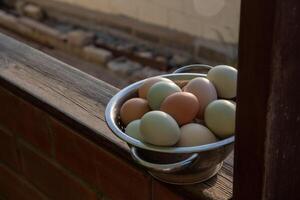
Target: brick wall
x=216, y=20
x=41, y=158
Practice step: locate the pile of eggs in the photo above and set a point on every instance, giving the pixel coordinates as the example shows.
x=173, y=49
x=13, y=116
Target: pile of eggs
x=201, y=112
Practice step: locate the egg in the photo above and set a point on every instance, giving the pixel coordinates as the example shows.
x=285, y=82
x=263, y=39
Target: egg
x=159, y=128
x=133, y=129
x=159, y=91
x=143, y=89
x=194, y=135
x=232, y=102
x=133, y=109
x=224, y=79
x=182, y=106
x=219, y=117
x=204, y=90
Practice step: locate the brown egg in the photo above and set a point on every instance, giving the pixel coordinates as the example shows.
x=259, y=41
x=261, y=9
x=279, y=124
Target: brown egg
x=204, y=90
x=133, y=109
x=182, y=106
x=143, y=90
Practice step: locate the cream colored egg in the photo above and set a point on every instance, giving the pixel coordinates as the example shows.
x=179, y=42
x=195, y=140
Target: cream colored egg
x=159, y=91
x=194, y=135
x=219, y=117
x=143, y=90
x=159, y=128
x=133, y=130
x=224, y=79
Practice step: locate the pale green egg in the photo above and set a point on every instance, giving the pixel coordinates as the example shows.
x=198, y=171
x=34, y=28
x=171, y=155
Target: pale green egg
x=159, y=91
x=224, y=79
x=133, y=129
x=159, y=128
x=219, y=117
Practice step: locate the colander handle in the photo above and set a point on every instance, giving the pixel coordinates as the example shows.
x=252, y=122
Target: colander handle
x=166, y=168
x=193, y=68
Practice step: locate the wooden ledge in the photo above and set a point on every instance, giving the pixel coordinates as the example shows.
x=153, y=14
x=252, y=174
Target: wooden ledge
x=79, y=100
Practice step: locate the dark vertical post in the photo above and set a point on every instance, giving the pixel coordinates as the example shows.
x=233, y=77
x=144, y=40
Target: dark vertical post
x=267, y=149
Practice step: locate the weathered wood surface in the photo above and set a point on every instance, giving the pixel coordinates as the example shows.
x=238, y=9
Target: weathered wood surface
x=79, y=100
x=267, y=164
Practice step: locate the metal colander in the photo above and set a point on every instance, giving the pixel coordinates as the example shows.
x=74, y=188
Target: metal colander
x=175, y=165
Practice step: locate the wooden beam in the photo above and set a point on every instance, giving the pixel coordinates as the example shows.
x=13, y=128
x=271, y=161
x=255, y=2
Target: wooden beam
x=267, y=164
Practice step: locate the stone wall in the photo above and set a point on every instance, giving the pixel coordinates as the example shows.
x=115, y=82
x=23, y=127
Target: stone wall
x=205, y=30
x=216, y=20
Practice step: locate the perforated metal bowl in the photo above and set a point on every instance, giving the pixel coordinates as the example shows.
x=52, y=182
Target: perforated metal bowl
x=175, y=165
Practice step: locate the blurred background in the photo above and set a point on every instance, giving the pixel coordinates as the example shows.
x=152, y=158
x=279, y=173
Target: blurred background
x=122, y=41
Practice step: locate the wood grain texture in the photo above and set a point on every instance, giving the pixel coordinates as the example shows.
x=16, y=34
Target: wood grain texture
x=252, y=97
x=79, y=101
x=267, y=164
x=283, y=163
x=218, y=187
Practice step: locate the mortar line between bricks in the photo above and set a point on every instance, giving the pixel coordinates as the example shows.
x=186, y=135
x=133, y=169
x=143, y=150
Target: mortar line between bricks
x=15, y=140
x=152, y=188
x=21, y=162
x=50, y=132
x=6, y=130
x=59, y=166
x=24, y=180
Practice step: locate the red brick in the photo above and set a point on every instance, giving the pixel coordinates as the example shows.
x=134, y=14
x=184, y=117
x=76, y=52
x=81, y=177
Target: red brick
x=120, y=180
x=111, y=174
x=67, y=145
x=32, y=126
x=13, y=187
x=8, y=107
x=8, y=150
x=51, y=179
x=23, y=118
x=161, y=192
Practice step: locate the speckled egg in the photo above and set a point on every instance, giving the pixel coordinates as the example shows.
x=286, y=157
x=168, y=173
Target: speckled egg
x=159, y=128
x=133, y=129
x=219, y=117
x=194, y=135
x=133, y=109
x=224, y=79
x=159, y=91
x=204, y=90
x=143, y=90
x=182, y=106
